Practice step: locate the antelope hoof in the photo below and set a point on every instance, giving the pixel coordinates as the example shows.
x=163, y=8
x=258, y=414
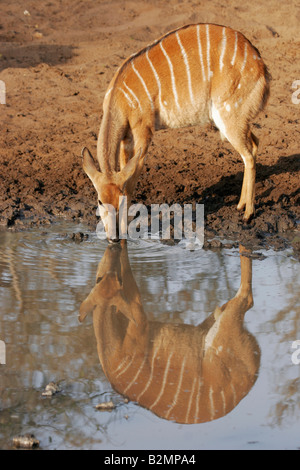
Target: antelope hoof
x=241, y=206
x=113, y=241
x=248, y=217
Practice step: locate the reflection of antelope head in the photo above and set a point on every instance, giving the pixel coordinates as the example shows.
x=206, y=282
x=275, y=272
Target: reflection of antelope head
x=185, y=373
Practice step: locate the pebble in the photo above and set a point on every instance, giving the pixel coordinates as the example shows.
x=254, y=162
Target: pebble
x=51, y=389
x=105, y=406
x=28, y=441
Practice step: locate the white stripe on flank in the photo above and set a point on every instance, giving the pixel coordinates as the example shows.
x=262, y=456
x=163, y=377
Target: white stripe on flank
x=124, y=361
x=157, y=80
x=190, y=400
x=233, y=394
x=133, y=94
x=172, y=75
x=200, y=52
x=224, y=401
x=235, y=48
x=151, y=375
x=211, y=401
x=130, y=102
x=164, y=382
x=186, y=62
x=144, y=85
x=125, y=369
x=197, y=400
x=208, y=52
x=135, y=377
x=245, y=58
x=224, y=39
x=178, y=390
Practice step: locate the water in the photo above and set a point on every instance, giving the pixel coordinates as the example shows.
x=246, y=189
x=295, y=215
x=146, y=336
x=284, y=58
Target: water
x=229, y=383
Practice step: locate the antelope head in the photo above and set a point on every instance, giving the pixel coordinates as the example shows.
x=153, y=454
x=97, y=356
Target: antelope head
x=110, y=188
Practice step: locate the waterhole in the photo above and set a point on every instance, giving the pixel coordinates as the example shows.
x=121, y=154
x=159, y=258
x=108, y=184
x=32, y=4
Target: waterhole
x=193, y=349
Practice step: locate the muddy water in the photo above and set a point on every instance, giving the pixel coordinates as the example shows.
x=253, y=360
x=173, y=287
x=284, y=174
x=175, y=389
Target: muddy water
x=199, y=343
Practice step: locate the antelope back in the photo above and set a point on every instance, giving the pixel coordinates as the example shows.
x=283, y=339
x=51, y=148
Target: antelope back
x=174, y=81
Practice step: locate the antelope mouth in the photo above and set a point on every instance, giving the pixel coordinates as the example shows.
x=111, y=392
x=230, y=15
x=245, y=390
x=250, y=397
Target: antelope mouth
x=113, y=241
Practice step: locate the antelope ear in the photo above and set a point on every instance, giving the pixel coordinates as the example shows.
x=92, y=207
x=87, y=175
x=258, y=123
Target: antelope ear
x=129, y=169
x=88, y=164
x=87, y=306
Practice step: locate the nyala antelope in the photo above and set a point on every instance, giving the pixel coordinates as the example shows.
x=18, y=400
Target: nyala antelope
x=185, y=373
x=192, y=75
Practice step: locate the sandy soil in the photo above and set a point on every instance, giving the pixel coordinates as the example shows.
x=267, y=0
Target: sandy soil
x=57, y=58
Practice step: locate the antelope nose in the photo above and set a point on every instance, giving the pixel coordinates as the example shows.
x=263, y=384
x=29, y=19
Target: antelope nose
x=113, y=240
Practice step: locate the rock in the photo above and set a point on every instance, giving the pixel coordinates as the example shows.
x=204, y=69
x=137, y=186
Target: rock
x=79, y=236
x=28, y=441
x=105, y=406
x=51, y=389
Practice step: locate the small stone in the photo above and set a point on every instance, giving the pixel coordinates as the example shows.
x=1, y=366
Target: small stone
x=79, y=236
x=28, y=441
x=105, y=406
x=51, y=389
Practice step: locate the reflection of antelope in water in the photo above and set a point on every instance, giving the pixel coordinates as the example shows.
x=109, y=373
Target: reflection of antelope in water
x=185, y=373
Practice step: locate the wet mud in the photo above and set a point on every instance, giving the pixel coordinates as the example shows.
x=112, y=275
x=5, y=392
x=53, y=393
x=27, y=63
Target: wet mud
x=56, y=67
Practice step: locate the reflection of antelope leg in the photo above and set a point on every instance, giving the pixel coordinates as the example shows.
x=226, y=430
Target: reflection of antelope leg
x=230, y=346
x=245, y=290
x=243, y=300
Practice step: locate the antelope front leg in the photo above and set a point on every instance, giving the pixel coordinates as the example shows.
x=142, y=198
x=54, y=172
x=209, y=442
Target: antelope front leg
x=142, y=136
x=126, y=150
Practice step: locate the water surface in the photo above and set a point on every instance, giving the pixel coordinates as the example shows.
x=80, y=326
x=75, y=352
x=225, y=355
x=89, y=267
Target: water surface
x=199, y=342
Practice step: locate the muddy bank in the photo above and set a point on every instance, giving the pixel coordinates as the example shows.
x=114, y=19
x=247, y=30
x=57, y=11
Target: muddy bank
x=56, y=67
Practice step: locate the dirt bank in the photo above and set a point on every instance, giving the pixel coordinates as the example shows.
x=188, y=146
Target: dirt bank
x=56, y=60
